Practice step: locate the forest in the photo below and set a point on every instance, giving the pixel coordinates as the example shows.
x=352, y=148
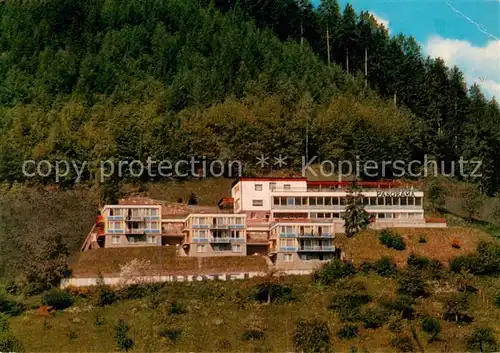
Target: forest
x=94, y=80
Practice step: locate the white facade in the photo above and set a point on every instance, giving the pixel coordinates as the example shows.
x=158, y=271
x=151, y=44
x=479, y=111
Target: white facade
x=254, y=194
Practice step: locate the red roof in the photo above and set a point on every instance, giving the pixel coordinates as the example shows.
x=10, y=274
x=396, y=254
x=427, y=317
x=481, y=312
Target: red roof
x=367, y=184
x=269, y=179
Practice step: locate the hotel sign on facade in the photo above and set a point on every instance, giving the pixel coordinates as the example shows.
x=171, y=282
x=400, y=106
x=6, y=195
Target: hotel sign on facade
x=396, y=193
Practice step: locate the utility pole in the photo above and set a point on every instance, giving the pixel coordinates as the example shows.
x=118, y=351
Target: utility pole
x=347, y=60
x=328, y=43
x=366, y=67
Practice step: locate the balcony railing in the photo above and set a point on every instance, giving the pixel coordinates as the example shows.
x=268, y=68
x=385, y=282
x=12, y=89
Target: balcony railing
x=199, y=226
x=317, y=248
x=237, y=226
x=288, y=235
x=288, y=248
x=314, y=235
x=220, y=240
x=342, y=207
x=200, y=240
x=219, y=226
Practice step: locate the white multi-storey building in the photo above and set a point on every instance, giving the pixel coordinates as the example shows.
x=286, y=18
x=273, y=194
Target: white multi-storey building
x=292, y=220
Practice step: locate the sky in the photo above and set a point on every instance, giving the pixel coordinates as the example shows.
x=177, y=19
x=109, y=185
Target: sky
x=465, y=33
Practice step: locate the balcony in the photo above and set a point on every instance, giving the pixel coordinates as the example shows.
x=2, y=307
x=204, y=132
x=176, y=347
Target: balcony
x=220, y=240
x=317, y=248
x=288, y=235
x=237, y=226
x=237, y=240
x=310, y=207
x=200, y=240
x=116, y=218
x=315, y=235
x=288, y=248
x=199, y=226
x=219, y=226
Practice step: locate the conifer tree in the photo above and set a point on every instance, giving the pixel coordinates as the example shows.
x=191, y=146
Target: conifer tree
x=355, y=218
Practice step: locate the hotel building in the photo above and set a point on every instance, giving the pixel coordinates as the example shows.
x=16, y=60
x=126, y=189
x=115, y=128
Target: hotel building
x=293, y=221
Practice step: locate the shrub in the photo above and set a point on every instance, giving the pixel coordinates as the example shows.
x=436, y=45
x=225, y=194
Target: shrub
x=8, y=343
x=416, y=262
x=13, y=288
x=172, y=333
x=391, y=240
x=396, y=324
x=176, y=308
x=422, y=239
x=374, y=317
x=58, y=299
x=312, y=336
x=134, y=291
x=402, y=344
x=455, y=308
x=402, y=306
x=455, y=244
x=385, y=238
x=349, y=301
x=366, y=267
x=123, y=341
x=4, y=324
x=412, y=284
x=277, y=293
x=431, y=326
x=482, y=340
x=106, y=296
x=9, y=306
x=497, y=300
x=252, y=334
x=223, y=345
x=332, y=271
x=486, y=260
x=348, y=332
x=385, y=267
x=398, y=243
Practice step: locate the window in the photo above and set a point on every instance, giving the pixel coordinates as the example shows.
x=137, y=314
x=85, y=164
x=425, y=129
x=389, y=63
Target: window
x=286, y=187
x=276, y=200
x=201, y=248
x=258, y=187
x=257, y=202
x=288, y=257
x=236, y=248
x=152, y=239
x=418, y=201
x=272, y=186
x=116, y=239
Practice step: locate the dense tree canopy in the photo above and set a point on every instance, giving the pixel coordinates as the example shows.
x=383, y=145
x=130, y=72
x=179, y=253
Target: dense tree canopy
x=92, y=80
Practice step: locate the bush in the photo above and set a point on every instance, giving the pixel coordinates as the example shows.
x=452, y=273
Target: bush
x=455, y=244
x=312, y=336
x=332, y=271
x=134, y=291
x=391, y=240
x=416, y=262
x=402, y=344
x=276, y=292
x=366, y=267
x=374, y=317
x=385, y=238
x=348, y=332
x=398, y=243
x=456, y=307
x=412, y=284
x=173, y=334
x=252, y=334
x=4, y=323
x=497, y=300
x=486, y=260
x=123, y=342
x=482, y=340
x=396, y=324
x=58, y=299
x=106, y=296
x=9, y=306
x=385, y=267
x=431, y=326
x=349, y=301
x=401, y=307
x=176, y=308
x=8, y=343
x=422, y=239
